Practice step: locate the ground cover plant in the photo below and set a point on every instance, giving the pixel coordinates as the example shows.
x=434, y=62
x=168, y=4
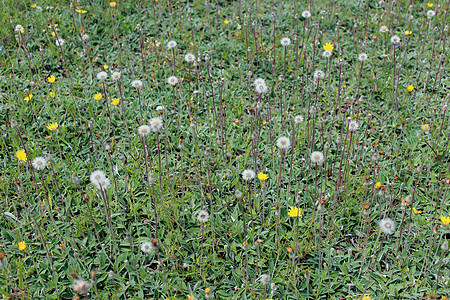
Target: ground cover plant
x=224, y=149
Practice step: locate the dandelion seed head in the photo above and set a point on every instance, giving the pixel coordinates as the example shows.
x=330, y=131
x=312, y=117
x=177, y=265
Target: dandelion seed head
x=172, y=80
x=259, y=81
x=261, y=88
x=18, y=28
x=327, y=53
x=283, y=143
x=362, y=57
x=444, y=246
x=189, y=58
x=102, y=76
x=97, y=177
x=144, y=130
x=171, y=45
x=319, y=74
x=203, y=216
x=431, y=13
x=285, y=41
x=384, y=28
x=147, y=247
x=387, y=226
x=306, y=14
x=156, y=124
x=238, y=194
x=265, y=279
x=248, y=174
x=317, y=157
x=298, y=119
x=353, y=125
x=395, y=39
x=159, y=108
x=137, y=84
x=39, y=163
x=115, y=76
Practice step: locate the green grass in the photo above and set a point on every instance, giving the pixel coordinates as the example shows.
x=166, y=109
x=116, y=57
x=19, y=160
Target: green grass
x=216, y=126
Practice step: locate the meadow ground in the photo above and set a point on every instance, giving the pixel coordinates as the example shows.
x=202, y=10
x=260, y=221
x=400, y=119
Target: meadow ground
x=224, y=150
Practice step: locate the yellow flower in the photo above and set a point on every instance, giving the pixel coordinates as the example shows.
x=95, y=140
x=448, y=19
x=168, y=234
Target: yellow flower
x=22, y=246
x=105, y=67
x=21, y=155
x=262, y=176
x=190, y=297
x=264, y=122
x=52, y=126
x=295, y=212
x=81, y=11
x=417, y=211
x=52, y=94
x=410, y=88
x=328, y=46
x=377, y=185
x=227, y=21
x=408, y=32
x=365, y=297
x=33, y=5
x=207, y=290
x=53, y=33
x=51, y=79
x=28, y=98
x=112, y=4
x=445, y=220
x=98, y=96
x=115, y=101
x=425, y=127
x=430, y=4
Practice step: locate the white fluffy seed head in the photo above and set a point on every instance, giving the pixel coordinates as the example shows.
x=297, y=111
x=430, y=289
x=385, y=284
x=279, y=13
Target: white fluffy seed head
x=387, y=226
x=298, y=119
x=39, y=163
x=203, y=216
x=395, y=39
x=283, y=143
x=384, y=28
x=18, y=28
x=327, y=53
x=306, y=14
x=265, y=279
x=136, y=84
x=431, y=13
x=353, y=125
x=259, y=81
x=285, y=41
x=81, y=286
x=147, y=247
x=363, y=57
x=59, y=42
x=115, y=76
x=144, y=130
x=261, y=88
x=97, y=177
x=317, y=157
x=102, y=76
x=172, y=80
x=248, y=174
x=171, y=45
x=319, y=74
x=189, y=58
x=156, y=124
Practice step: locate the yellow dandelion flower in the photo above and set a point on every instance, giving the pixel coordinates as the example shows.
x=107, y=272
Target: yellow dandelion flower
x=328, y=46
x=22, y=246
x=81, y=11
x=21, y=155
x=51, y=79
x=295, y=212
x=430, y=4
x=410, y=88
x=425, y=127
x=378, y=185
x=190, y=297
x=417, y=211
x=112, y=4
x=52, y=94
x=264, y=122
x=53, y=33
x=115, y=101
x=365, y=297
x=408, y=32
x=28, y=98
x=105, y=67
x=98, y=96
x=227, y=22
x=262, y=176
x=207, y=290
x=445, y=220
x=52, y=126
x=33, y=5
